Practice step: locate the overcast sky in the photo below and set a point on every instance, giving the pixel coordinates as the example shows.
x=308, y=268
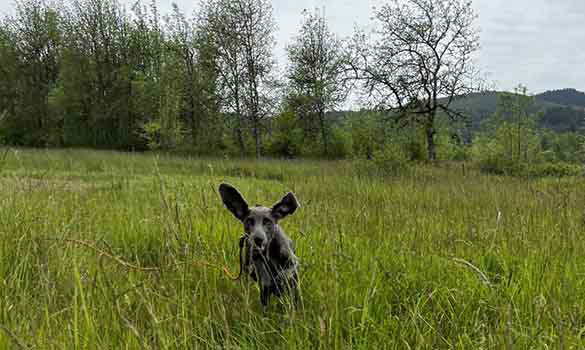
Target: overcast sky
x=538, y=43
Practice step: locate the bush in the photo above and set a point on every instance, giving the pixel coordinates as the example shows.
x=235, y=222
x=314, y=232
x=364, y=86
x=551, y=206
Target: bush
x=388, y=161
x=158, y=137
x=415, y=149
x=553, y=169
x=564, y=147
x=366, y=134
x=449, y=149
x=287, y=138
x=340, y=145
x=508, y=150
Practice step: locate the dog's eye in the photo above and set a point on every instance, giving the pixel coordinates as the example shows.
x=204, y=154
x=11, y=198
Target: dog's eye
x=266, y=222
x=249, y=222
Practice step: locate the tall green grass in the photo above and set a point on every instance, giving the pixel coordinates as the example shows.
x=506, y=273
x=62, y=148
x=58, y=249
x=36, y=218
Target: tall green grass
x=432, y=258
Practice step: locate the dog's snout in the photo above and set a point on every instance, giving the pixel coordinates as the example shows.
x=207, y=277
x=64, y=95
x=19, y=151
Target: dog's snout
x=258, y=241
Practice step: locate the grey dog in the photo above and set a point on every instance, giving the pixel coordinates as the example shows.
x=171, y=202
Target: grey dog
x=269, y=253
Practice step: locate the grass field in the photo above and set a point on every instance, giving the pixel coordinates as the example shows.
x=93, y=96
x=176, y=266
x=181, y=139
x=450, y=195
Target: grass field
x=434, y=258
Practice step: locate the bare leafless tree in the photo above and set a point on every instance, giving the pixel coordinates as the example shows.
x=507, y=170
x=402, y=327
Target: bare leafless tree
x=315, y=70
x=418, y=59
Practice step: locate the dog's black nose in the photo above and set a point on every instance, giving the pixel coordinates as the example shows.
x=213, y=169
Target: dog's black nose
x=258, y=241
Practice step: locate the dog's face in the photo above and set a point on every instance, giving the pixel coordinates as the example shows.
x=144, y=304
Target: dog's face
x=260, y=223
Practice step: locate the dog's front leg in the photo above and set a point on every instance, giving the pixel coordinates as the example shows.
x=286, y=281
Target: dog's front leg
x=264, y=281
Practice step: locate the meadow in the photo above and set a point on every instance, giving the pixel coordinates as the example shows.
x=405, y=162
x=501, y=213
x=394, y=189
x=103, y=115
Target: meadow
x=108, y=250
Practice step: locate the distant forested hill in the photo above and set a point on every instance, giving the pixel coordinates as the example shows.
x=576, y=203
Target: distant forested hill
x=561, y=110
x=568, y=97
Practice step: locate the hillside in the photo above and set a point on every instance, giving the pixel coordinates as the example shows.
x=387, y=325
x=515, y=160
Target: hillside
x=562, y=110
x=568, y=97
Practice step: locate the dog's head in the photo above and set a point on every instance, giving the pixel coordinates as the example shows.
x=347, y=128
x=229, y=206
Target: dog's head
x=260, y=223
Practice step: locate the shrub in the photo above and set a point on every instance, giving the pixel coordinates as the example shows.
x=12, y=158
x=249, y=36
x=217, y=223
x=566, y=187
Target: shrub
x=340, y=145
x=448, y=148
x=508, y=150
x=287, y=137
x=387, y=161
x=553, y=169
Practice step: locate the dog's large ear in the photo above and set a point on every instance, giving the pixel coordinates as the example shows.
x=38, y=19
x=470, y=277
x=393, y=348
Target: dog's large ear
x=234, y=201
x=287, y=205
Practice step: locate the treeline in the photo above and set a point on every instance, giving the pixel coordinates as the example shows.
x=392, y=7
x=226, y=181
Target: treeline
x=93, y=73
x=569, y=97
x=89, y=73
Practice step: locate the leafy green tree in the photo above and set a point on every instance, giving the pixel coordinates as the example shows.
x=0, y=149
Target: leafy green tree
x=364, y=132
x=286, y=136
x=9, y=71
x=241, y=31
x=316, y=64
x=517, y=124
x=513, y=143
x=195, y=55
x=96, y=74
x=30, y=43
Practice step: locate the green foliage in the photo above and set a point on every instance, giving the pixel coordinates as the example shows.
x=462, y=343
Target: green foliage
x=553, y=169
x=159, y=137
x=561, y=115
x=87, y=73
x=379, y=149
x=316, y=81
x=391, y=160
x=29, y=45
x=366, y=134
x=415, y=148
x=507, y=150
x=340, y=145
x=564, y=147
x=286, y=139
x=514, y=146
x=91, y=74
x=495, y=155
x=411, y=139
x=450, y=147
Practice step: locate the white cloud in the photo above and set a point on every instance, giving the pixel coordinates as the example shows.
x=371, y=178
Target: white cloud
x=534, y=42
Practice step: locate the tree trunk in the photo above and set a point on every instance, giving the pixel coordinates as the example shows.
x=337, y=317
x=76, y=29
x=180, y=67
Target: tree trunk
x=192, y=118
x=431, y=146
x=240, y=137
x=257, y=139
x=323, y=133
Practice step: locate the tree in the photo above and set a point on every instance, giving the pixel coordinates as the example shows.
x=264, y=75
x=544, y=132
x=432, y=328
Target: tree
x=417, y=60
x=196, y=57
x=100, y=55
x=9, y=73
x=315, y=70
x=512, y=143
x=517, y=123
x=242, y=33
x=29, y=43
